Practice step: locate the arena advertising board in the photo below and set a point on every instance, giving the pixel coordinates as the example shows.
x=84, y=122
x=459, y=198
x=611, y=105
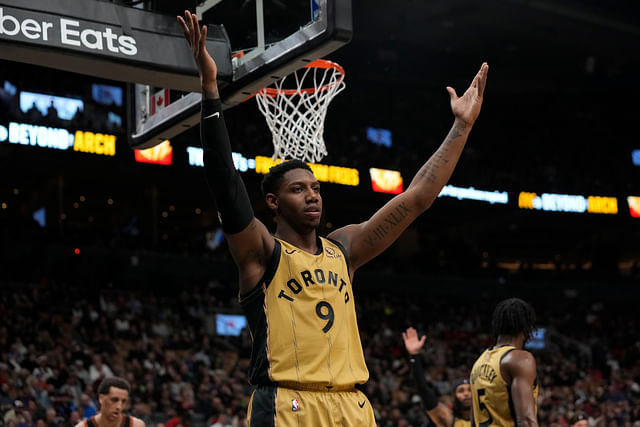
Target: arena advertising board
x=58, y=138
x=568, y=203
x=106, y=40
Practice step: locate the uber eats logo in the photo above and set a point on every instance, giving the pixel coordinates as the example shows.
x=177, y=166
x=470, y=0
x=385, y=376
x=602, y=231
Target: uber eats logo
x=67, y=32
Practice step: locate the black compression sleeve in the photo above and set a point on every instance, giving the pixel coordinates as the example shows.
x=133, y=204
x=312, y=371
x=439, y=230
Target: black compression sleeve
x=426, y=393
x=224, y=180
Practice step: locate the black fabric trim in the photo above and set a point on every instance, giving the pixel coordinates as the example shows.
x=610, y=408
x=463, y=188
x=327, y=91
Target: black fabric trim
x=344, y=251
x=512, y=408
x=267, y=276
x=263, y=406
x=253, y=306
x=505, y=353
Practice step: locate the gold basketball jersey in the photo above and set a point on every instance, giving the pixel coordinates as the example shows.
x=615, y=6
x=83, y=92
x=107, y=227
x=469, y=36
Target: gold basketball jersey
x=303, y=321
x=492, y=404
x=459, y=422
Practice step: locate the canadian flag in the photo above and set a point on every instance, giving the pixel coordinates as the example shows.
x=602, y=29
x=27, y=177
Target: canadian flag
x=159, y=100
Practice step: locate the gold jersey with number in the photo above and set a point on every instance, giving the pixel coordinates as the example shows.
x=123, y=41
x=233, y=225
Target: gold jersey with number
x=302, y=320
x=492, y=403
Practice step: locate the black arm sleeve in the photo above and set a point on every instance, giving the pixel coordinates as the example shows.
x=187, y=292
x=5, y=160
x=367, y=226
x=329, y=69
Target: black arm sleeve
x=224, y=180
x=426, y=393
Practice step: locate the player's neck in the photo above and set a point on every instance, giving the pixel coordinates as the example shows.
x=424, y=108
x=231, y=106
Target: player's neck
x=466, y=414
x=306, y=241
x=103, y=422
x=516, y=341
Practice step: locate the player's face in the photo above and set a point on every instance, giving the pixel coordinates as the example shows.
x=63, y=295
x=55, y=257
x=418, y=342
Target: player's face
x=463, y=394
x=112, y=405
x=299, y=199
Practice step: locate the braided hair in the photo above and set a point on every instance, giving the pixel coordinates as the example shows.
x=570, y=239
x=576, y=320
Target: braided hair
x=513, y=316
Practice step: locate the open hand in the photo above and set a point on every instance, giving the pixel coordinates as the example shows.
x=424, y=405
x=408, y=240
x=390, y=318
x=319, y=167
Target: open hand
x=196, y=39
x=467, y=107
x=411, y=341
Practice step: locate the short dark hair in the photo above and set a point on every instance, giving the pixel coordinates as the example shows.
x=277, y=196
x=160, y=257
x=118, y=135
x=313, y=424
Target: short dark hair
x=116, y=382
x=578, y=416
x=271, y=181
x=513, y=316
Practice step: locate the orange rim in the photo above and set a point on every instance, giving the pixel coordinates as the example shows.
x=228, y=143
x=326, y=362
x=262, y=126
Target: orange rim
x=318, y=63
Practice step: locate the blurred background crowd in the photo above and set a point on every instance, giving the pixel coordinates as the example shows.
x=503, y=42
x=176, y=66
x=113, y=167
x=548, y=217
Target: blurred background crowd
x=58, y=341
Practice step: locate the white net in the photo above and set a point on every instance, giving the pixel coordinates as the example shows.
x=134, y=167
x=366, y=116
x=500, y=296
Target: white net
x=296, y=115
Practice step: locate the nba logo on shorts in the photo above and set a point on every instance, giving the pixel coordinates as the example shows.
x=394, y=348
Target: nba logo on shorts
x=294, y=405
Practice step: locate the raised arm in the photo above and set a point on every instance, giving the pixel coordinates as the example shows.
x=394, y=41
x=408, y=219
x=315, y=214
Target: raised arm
x=437, y=412
x=249, y=241
x=520, y=367
x=366, y=240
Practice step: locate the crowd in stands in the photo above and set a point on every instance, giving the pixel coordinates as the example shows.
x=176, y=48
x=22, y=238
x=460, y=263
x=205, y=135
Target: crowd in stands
x=58, y=341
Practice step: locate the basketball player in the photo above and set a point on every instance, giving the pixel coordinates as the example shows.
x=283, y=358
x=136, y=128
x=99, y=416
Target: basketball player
x=295, y=287
x=113, y=394
x=440, y=414
x=504, y=388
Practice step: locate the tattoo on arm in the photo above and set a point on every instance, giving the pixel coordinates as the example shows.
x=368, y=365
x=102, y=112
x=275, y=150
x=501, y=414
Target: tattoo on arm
x=391, y=221
x=438, y=159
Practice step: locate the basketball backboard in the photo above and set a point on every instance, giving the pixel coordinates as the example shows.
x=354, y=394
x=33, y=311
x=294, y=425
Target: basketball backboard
x=269, y=39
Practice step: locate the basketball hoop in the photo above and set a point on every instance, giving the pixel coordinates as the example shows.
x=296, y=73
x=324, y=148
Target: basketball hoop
x=296, y=115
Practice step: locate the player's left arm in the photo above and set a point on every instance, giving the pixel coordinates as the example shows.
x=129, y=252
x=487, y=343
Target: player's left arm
x=521, y=367
x=368, y=239
x=137, y=422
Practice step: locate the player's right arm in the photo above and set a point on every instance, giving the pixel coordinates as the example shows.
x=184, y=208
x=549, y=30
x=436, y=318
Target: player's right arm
x=437, y=412
x=520, y=367
x=249, y=241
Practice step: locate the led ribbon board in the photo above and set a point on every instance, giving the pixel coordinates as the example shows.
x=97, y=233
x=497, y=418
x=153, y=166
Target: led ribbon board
x=471, y=193
x=262, y=164
x=568, y=203
x=59, y=139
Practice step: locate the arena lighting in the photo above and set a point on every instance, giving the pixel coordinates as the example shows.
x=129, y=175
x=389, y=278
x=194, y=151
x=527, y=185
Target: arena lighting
x=634, y=206
x=568, y=203
x=635, y=157
x=381, y=137
x=471, y=193
x=161, y=154
x=65, y=108
x=386, y=181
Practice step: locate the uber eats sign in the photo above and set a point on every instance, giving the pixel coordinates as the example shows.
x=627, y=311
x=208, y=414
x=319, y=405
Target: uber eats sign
x=106, y=40
x=66, y=32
